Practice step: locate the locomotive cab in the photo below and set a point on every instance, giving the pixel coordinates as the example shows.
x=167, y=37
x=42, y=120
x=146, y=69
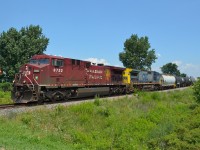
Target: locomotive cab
x=41, y=70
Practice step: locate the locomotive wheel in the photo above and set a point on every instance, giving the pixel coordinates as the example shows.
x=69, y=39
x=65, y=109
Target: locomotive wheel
x=67, y=96
x=53, y=100
x=40, y=100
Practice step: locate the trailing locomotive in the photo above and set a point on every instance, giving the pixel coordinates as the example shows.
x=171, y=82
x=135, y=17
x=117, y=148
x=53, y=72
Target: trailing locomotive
x=55, y=78
x=154, y=80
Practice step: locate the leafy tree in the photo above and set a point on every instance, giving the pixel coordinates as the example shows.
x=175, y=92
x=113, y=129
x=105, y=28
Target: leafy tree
x=137, y=53
x=170, y=68
x=17, y=47
x=196, y=90
x=183, y=75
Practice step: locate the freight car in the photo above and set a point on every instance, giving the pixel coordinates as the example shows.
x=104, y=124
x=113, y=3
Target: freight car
x=193, y=80
x=169, y=81
x=55, y=78
x=180, y=81
x=188, y=81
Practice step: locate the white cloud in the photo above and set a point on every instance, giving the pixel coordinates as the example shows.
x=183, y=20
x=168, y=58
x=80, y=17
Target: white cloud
x=156, y=68
x=119, y=65
x=158, y=55
x=98, y=61
x=177, y=62
x=188, y=68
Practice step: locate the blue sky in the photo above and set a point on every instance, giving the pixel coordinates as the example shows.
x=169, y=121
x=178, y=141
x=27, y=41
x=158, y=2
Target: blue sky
x=97, y=29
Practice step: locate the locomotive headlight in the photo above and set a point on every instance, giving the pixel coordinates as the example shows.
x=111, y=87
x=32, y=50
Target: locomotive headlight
x=36, y=77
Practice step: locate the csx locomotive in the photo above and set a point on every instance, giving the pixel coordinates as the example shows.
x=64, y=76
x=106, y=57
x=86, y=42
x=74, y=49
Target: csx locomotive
x=54, y=78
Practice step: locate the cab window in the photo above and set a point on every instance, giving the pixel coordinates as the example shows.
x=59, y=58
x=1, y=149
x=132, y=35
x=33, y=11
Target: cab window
x=57, y=62
x=39, y=61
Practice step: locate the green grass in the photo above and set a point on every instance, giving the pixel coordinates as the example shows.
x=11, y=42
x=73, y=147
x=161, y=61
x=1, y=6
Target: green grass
x=148, y=121
x=5, y=98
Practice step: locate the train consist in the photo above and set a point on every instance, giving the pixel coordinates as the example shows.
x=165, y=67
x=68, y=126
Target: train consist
x=53, y=78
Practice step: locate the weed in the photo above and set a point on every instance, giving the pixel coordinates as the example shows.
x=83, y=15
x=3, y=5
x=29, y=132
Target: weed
x=59, y=109
x=26, y=119
x=97, y=101
x=104, y=111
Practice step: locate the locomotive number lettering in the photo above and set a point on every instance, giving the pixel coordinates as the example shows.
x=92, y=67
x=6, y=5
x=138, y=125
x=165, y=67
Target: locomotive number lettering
x=57, y=70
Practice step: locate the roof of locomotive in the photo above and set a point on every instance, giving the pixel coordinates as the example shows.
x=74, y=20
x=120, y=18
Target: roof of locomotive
x=46, y=56
x=116, y=68
x=42, y=56
x=52, y=56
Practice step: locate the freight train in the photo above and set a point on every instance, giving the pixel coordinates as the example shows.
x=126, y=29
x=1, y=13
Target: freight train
x=54, y=78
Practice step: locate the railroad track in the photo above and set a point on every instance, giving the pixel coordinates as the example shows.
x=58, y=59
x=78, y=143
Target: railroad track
x=77, y=100
x=6, y=106
x=10, y=106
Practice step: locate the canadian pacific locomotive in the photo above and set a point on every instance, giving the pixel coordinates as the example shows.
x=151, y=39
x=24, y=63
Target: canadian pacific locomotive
x=53, y=78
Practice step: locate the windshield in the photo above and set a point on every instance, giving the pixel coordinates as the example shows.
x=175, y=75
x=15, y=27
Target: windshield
x=39, y=61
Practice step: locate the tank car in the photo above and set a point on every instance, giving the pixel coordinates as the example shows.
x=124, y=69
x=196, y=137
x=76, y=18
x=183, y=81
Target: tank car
x=179, y=81
x=168, y=81
x=55, y=78
x=193, y=80
x=188, y=81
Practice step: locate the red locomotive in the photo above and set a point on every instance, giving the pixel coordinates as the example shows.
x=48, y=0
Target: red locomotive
x=55, y=78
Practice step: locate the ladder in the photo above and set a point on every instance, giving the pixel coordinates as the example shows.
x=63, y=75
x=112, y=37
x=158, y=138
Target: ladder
x=32, y=89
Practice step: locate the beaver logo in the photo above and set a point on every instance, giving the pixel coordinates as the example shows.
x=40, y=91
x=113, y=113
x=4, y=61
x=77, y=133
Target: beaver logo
x=108, y=74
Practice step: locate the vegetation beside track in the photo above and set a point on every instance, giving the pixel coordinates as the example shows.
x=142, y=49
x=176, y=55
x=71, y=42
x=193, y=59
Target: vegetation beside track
x=5, y=90
x=154, y=120
x=5, y=98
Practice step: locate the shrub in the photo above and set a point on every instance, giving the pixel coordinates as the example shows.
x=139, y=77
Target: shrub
x=5, y=86
x=196, y=91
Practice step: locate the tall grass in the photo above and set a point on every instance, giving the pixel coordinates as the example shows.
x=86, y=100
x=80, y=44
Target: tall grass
x=147, y=121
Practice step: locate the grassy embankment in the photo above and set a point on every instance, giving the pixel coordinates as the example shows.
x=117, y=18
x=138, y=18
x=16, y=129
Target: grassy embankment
x=149, y=121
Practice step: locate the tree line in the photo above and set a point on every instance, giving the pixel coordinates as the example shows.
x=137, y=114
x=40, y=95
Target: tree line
x=18, y=46
x=138, y=54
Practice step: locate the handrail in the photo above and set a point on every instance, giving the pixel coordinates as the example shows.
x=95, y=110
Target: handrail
x=35, y=80
x=29, y=80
